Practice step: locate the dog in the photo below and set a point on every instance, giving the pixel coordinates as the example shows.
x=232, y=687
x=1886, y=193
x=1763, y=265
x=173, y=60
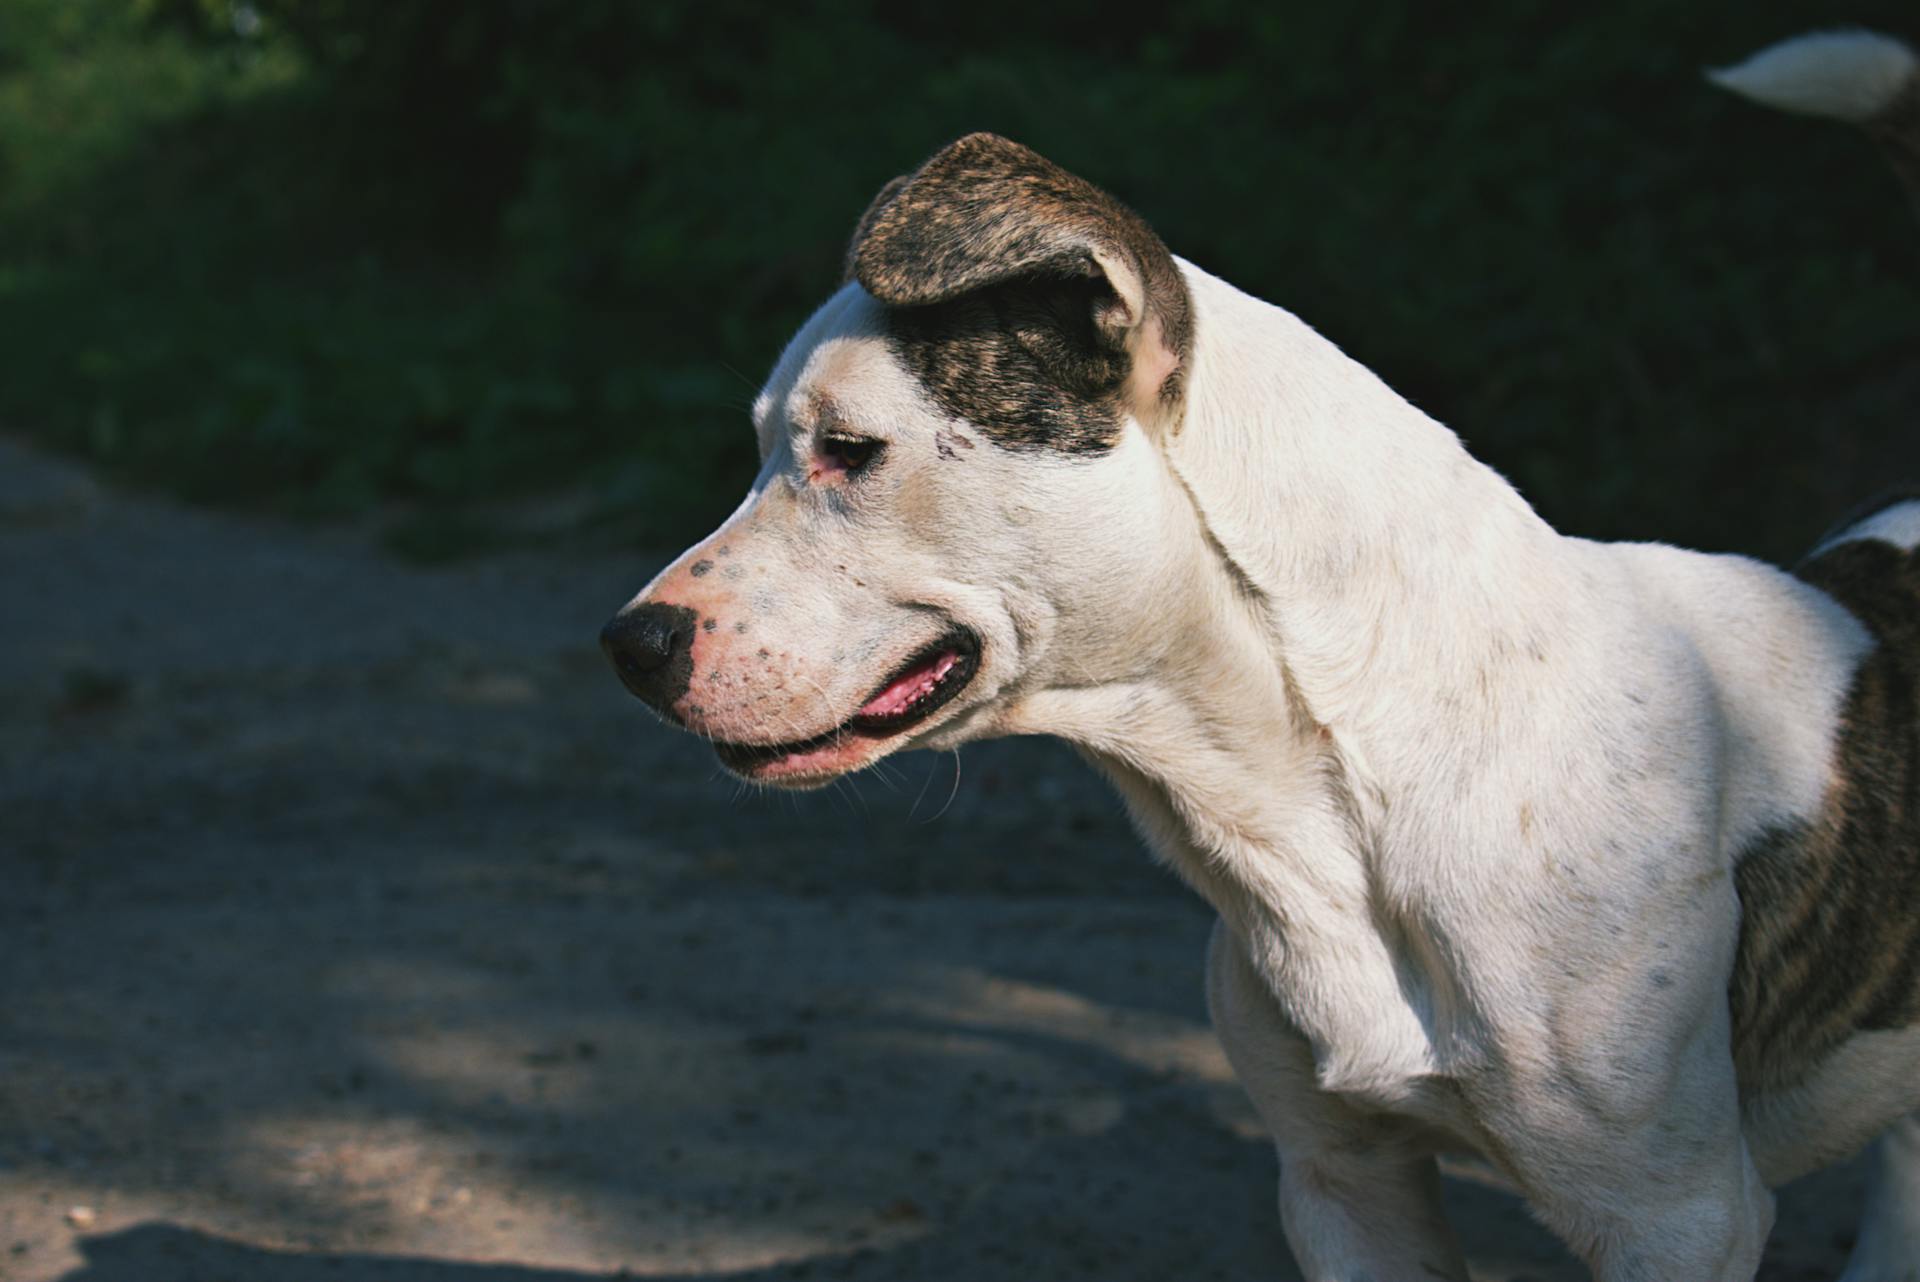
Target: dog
x=1599, y=859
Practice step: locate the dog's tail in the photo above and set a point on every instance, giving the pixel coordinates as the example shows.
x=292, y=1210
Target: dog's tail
x=1860, y=77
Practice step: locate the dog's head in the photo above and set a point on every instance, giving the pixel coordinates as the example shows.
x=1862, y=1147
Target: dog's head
x=959, y=490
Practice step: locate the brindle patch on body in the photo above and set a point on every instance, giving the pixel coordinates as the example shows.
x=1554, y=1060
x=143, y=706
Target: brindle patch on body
x=1830, y=908
x=989, y=261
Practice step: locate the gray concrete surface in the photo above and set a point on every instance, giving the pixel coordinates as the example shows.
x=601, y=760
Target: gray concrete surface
x=354, y=925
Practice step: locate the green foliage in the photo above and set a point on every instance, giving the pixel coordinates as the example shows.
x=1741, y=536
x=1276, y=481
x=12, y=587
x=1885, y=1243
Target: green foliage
x=322, y=255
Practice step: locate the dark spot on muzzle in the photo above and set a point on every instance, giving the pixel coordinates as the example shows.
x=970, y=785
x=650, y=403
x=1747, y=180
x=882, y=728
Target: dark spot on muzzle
x=651, y=647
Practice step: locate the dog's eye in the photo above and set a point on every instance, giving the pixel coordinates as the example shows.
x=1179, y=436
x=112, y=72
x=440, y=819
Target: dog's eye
x=849, y=454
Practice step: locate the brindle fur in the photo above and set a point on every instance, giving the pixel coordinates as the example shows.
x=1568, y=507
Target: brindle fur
x=986, y=260
x=1019, y=363
x=1830, y=929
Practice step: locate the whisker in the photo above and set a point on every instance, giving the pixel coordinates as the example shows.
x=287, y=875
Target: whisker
x=886, y=773
x=933, y=766
x=751, y=385
x=948, y=804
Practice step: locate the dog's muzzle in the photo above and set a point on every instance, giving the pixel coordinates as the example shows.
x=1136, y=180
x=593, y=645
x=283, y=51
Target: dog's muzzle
x=651, y=647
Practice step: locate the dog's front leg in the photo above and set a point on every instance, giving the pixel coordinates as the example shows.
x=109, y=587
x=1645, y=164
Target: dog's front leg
x=1634, y=1152
x=1700, y=1215
x=1359, y=1195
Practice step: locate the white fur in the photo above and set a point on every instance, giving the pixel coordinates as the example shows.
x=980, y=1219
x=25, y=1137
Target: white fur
x=1465, y=793
x=1844, y=75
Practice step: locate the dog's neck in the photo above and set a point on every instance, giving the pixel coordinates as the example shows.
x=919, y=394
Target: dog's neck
x=1373, y=590
x=1240, y=791
x=1393, y=566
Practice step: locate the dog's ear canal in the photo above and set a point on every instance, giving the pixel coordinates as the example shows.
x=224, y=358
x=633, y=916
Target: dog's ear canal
x=986, y=212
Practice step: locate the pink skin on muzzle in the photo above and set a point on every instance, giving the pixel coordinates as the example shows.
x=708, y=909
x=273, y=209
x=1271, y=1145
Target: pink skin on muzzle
x=768, y=707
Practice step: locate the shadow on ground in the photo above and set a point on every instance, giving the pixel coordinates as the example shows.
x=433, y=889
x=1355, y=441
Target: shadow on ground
x=358, y=926
x=169, y=1253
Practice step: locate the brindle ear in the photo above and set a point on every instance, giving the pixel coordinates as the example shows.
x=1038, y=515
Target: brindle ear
x=985, y=211
x=860, y=232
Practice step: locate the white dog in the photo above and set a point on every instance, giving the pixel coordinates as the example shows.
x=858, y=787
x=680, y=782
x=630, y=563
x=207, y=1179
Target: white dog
x=1601, y=859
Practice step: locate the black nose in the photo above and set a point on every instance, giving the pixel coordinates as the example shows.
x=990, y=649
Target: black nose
x=651, y=647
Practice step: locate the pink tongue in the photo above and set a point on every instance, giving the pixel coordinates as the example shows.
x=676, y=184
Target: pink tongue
x=910, y=687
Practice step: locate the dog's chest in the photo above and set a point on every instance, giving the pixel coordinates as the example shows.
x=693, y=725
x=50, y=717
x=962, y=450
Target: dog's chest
x=1390, y=1060
x=1375, y=997
x=1385, y=1012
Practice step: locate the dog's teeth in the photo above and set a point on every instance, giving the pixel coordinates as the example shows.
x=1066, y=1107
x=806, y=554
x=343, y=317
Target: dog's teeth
x=912, y=689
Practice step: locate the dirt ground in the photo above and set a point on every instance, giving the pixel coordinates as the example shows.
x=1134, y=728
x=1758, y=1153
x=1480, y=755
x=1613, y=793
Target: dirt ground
x=355, y=925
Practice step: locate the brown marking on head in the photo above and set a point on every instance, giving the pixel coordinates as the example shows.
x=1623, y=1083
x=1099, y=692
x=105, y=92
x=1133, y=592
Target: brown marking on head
x=1028, y=301
x=947, y=443
x=1829, y=942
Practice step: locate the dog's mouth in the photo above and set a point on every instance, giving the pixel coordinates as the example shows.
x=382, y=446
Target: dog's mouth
x=917, y=689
